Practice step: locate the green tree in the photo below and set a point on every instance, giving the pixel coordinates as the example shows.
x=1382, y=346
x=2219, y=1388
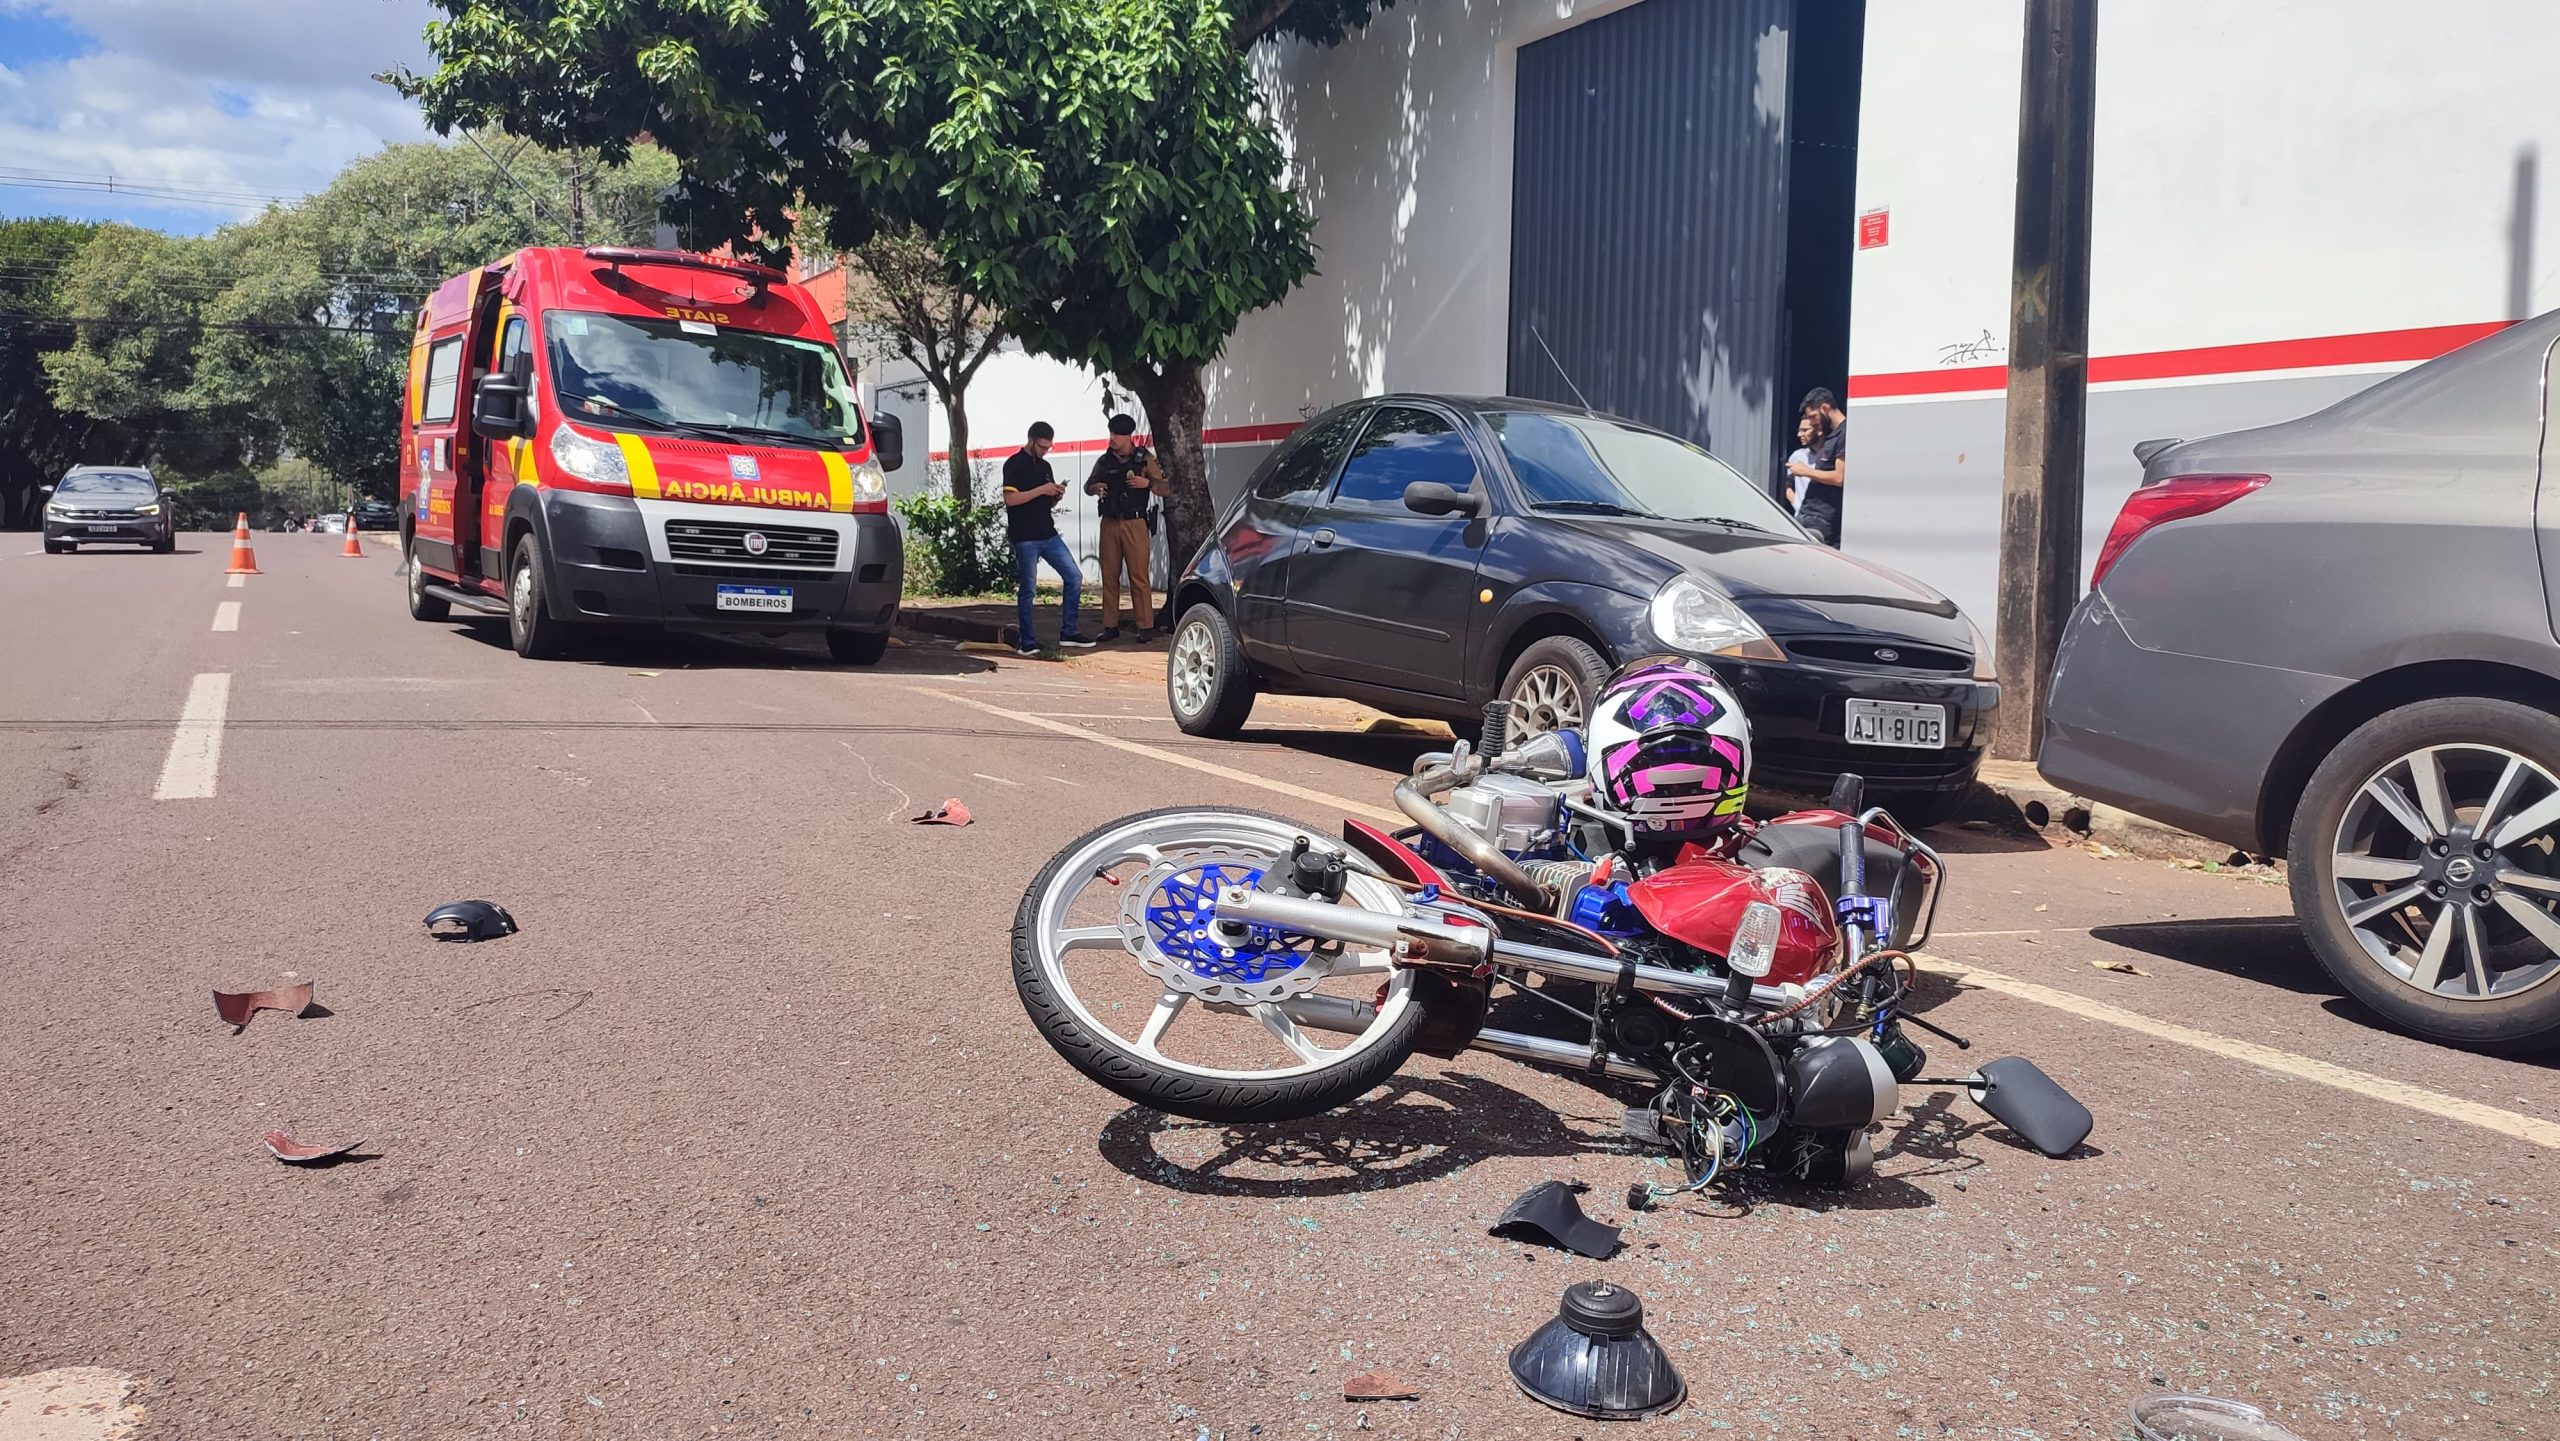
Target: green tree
x=900, y=299
x=291, y=331
x=39, y=439
x=1099, y=170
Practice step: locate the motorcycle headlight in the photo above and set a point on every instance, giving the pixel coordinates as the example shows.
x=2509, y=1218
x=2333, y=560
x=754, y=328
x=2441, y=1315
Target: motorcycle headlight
x=1687, y=615
x=1986, y=663
x=589, y=459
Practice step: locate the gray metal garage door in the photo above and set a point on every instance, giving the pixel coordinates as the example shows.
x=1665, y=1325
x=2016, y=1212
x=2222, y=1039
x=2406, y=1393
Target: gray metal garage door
x=1649, y=219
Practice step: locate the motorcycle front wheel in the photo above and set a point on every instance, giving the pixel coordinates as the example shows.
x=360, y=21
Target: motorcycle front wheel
x=1115, y=959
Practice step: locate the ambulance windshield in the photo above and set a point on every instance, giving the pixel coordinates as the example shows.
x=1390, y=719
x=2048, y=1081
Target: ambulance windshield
x=690, y=375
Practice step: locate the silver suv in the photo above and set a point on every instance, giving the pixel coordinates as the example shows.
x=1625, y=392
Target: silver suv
x=110, y=504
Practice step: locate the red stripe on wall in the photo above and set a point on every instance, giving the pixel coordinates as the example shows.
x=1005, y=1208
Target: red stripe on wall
x=2374, y=347
x=1217, y=435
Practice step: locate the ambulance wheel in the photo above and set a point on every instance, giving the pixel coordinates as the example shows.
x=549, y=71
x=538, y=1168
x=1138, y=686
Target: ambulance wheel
x=858, y=647
x=537, y=634
x=422, y=606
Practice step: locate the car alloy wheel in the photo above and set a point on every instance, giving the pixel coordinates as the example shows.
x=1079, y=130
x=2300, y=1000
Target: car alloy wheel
x=2444, y=869
x=1547, y=698
x=1195, y=667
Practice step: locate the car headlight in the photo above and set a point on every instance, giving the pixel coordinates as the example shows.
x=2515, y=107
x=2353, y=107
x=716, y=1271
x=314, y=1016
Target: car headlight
x=152, y=509
x=1690, y=616
x=1986, y=663
x=870, y=485
x=55, y=512
x=589, y=459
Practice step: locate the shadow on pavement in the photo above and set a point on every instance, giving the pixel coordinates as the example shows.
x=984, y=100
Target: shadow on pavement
x=1423, y=1128
x=2269, y=950
x=645, y=648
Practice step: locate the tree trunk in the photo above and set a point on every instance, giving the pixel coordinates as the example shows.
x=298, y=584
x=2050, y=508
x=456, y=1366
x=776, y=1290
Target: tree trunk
x=1177, y=414
x=955, y=413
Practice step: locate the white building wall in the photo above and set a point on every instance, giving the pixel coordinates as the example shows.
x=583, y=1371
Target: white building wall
x=2266, y=171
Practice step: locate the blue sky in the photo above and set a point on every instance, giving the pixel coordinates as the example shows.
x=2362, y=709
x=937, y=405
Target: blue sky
x=200, y=110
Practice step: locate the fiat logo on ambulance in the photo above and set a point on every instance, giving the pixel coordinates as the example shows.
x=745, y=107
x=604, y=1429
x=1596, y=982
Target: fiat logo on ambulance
x=755, y=542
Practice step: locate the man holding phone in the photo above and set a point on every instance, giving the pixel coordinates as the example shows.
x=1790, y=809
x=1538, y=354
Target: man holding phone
x=1123, y=485
x=1031, y=492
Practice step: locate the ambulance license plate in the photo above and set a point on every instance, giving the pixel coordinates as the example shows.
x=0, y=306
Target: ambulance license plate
x=754, y=597
x=1893, y=723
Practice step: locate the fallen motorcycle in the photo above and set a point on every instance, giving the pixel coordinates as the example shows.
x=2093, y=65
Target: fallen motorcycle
x=1755, y=990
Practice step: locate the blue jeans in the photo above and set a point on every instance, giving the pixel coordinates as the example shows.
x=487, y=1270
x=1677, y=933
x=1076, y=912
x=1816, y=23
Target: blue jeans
x=1027, y=555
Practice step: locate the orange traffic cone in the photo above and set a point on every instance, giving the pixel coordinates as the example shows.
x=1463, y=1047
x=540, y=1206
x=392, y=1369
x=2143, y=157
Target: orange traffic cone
x=244, y=561
x=351, y=547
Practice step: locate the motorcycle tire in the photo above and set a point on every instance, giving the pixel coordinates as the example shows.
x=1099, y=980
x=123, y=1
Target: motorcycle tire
x=1200, y=1093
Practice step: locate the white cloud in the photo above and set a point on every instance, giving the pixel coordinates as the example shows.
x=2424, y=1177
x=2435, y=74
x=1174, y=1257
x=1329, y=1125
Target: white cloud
x=262, y=97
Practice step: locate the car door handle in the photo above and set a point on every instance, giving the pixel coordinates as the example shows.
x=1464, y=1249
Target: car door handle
x=1322, y=538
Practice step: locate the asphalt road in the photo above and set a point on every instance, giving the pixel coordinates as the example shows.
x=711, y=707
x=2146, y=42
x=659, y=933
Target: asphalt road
x=746, y=1133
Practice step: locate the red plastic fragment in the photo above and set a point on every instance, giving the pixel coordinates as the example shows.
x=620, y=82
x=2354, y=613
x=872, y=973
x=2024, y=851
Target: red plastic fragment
x=298, y=1153
x=1379, y=1386
x=236, y=1007
x=949, y=813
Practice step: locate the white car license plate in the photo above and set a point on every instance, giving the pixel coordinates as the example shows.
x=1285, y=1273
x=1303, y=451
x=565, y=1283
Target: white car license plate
x=753, y=597
x=1894, y=723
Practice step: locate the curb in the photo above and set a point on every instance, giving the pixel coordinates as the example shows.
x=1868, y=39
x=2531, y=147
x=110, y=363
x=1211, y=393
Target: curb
x=2015, y=792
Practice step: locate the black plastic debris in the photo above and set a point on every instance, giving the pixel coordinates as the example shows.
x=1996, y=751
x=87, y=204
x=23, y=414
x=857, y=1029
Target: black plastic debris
x=2033, y=1104
x=1596, y=1359
x=1548, y=1212
x=470, y=921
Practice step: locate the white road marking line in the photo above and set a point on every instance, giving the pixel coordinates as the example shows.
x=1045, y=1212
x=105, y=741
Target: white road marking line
x=2284, y=1063
x=226, y=616
x=238, y=581
x=195, y=752
x=999, y=780
x=1062, y=780
x=644, y=711
x=1169, y=758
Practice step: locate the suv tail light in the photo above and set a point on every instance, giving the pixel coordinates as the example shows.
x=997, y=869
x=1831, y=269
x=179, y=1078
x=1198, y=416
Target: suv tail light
x=2162, y=501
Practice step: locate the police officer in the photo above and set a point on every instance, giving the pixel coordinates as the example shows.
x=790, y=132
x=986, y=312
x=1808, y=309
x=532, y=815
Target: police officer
x=1123, y=483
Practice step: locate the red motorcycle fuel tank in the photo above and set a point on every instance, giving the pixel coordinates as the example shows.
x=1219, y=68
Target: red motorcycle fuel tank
x=1699, y=900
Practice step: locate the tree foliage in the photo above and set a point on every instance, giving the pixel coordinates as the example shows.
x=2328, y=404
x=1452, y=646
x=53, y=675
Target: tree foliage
x=901, y=301
x=1099, y=170
x=39, y=439
x=290, y=331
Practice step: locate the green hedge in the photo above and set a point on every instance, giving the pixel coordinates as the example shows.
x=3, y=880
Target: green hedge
x=955, y=549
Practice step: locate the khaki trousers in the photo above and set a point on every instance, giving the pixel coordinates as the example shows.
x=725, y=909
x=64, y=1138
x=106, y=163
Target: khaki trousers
x=1126, y=542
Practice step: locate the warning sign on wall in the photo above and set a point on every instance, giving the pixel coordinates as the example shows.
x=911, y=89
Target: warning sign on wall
x=1873, y=227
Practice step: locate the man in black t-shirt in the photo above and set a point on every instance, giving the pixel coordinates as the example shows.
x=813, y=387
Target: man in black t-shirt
x=1123, y=484
x=1825, y=467
x=1031, y=492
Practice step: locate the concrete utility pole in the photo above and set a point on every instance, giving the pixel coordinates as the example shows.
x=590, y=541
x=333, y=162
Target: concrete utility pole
x=2043, y=461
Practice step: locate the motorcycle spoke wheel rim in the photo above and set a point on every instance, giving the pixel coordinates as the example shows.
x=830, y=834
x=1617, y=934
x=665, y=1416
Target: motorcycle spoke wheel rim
x=1141, y=1016
x=2446, y=868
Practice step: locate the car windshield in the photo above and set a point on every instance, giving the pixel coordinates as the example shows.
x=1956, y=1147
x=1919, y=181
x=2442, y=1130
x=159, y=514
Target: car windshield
x=116, y=482
x=1576, y=464
x=669, y=374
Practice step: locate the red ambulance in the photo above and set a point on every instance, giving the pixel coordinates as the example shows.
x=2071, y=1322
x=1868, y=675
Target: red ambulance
x=610, y=436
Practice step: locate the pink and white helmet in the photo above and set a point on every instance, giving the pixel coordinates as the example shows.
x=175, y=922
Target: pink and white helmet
x=1670, y=749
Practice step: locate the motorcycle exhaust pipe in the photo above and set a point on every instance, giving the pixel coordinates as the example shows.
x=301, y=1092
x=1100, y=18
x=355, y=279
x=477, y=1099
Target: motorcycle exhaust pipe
x=1344, y=1016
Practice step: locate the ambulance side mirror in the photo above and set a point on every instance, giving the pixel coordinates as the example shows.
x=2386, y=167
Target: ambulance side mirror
x=888, y=441
x=498, y=407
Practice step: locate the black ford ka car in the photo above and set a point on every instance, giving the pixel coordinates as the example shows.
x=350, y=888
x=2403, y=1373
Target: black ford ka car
x=1428, y=555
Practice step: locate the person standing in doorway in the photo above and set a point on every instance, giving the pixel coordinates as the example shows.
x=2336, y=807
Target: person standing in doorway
x=1825, y=467
x=1031, y=492
x=1123, y=484
x=1801, y=455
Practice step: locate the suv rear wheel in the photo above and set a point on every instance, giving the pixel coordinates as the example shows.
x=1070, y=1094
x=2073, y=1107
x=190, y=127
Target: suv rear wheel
x=2426, y=869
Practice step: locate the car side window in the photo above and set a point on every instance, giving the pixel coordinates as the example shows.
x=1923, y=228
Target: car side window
x=514, y=356
x=1401, y=446
x=1307, y=463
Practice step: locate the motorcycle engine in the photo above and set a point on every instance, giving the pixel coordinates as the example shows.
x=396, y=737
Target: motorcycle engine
x=1521, y=817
